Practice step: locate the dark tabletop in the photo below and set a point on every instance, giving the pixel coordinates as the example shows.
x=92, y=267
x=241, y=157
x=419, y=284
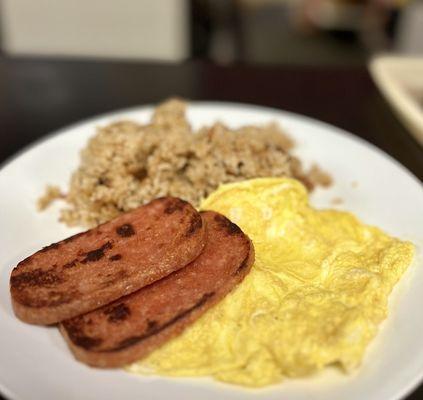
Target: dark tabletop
x=38, y=96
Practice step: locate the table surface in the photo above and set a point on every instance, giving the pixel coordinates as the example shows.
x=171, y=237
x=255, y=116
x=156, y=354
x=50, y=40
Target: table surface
x=39, y=96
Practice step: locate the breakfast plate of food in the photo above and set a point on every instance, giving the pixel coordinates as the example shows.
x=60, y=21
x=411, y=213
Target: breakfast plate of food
x=209, y=250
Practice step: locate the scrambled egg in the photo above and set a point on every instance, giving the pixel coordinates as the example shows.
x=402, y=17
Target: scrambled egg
x=315, y=296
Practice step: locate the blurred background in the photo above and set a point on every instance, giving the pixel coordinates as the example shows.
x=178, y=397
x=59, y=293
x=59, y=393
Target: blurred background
x=62, y=60
x=289, y=32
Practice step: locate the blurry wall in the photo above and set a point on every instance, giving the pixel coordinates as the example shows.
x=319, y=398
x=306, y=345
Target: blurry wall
x=141, y=29
x=410, y=35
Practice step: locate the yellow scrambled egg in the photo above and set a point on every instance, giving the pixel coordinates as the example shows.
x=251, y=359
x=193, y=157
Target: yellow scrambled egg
x=315, y=295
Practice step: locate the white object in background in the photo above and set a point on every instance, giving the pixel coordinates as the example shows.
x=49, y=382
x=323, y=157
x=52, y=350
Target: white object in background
x=400, y=79
x=139, y=29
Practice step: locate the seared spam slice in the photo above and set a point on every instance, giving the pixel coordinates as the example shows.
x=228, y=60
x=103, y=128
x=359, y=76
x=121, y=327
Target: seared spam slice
x=133, y=326
x=93, y=268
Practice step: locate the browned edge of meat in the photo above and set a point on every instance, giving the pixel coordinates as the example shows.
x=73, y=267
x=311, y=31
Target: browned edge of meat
x=132, y=327
x=93, y=268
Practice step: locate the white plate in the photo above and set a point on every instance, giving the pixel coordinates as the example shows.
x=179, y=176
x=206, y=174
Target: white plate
x=35, y=362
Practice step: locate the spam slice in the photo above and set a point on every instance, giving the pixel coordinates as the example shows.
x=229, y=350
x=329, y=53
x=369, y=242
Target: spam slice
x=132, y=327
x=93, y=268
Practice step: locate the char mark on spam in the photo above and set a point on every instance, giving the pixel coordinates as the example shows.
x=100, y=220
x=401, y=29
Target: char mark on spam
x=37, y=277
x=151, y=325
x=117, y=313
x=97, y=254
x=53, y=246
x=173, y=205
x=78, y=337
x=53, y=299
x=113, y=278
x=115, y=257
x=125, y=230
x=87, y=342
x=153, y=328
x=195, y=224
x=230, y=227
x=243, y=265
x=70, y=264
